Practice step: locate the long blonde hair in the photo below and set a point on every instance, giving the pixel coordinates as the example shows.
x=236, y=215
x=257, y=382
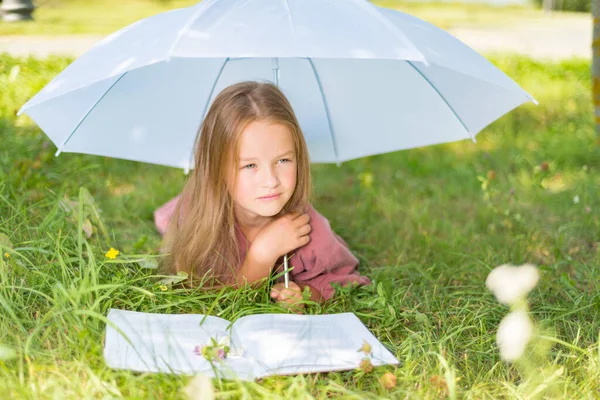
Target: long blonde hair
x=201, y=238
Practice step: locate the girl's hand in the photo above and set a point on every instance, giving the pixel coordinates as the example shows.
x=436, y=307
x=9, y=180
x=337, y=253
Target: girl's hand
x=288, y=297
x=281, y=236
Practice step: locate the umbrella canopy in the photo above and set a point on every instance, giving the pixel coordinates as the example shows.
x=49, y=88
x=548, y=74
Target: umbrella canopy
x=362, y=80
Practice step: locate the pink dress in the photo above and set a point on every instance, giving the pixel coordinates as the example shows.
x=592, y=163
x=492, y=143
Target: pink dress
x=324, y=260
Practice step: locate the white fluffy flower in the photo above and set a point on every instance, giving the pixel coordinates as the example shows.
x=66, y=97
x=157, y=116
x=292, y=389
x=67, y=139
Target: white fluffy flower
x=514, y=333
x=236, y=352
x=224, y=341
x=510, y=283
x=234, y=349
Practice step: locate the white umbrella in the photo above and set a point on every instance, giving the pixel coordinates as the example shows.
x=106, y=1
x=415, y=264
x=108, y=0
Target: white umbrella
x=362, y=80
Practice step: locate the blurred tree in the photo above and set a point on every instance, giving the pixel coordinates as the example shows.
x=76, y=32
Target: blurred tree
x=565, y=5
x=17, y=10
x=596, y=62
x=548, y=5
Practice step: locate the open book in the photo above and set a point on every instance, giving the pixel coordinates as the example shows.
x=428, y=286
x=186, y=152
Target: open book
x=263, y=344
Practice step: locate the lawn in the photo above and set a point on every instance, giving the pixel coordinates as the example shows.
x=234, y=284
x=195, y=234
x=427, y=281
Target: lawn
x=428, y=225
x=102, y=17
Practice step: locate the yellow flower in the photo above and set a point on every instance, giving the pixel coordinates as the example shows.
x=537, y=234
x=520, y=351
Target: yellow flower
x=6, y=255
x=366, y=179
x=366, y=348
x=112, y=253
x=164, y=288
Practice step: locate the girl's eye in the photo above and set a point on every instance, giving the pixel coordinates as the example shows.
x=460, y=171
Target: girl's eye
x=252, y=166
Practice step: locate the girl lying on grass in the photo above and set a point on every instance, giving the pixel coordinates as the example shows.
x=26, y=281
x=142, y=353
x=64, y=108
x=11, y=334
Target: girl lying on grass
x=246, y=204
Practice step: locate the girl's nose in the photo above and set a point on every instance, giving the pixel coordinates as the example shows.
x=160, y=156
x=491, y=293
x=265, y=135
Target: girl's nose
x=270, y=179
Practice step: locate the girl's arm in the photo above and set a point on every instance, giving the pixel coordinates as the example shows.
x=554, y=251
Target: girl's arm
x=253, y=270
x=326, y=259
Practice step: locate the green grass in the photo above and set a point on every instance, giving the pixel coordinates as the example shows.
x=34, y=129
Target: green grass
x=62, y=17
x=428, y=231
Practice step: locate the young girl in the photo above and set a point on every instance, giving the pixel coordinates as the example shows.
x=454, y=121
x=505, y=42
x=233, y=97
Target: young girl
x=246, y=203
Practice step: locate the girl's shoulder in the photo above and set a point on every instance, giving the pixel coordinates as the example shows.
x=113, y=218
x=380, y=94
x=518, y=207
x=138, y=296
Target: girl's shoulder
x=316, y=217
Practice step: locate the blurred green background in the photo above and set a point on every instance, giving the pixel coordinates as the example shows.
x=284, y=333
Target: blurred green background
x=57, y=17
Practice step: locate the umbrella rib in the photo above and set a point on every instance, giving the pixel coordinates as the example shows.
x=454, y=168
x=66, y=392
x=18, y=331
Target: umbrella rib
x=337, y=159
x=444, y=99
x=62, y=146
x=212, y=90
x=188, y=23
x=289, y=12
x=390, y=26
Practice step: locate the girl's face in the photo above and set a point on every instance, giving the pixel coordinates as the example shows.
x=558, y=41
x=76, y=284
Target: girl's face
x=266, y=172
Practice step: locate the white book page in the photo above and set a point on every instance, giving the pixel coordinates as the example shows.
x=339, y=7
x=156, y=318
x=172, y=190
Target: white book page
x=166, y=343
x=287, y=344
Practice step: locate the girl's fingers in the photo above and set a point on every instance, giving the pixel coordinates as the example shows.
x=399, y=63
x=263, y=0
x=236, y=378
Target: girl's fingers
x=302, y=240
x=289, y=294
x=280, y=295
x=302, y=220
x=277, y=291
x=304, y=230
x=286, y=294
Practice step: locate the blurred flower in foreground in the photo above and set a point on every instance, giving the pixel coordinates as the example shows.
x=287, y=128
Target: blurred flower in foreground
x=514, y=333
x=510, y=283
x=517, y=332
x=388, y=380
x=112, y=253
x=200, y=388
x=366, y=365
x=7, y=353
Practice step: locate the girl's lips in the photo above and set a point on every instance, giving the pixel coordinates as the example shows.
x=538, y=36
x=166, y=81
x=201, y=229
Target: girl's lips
x=273, y=197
